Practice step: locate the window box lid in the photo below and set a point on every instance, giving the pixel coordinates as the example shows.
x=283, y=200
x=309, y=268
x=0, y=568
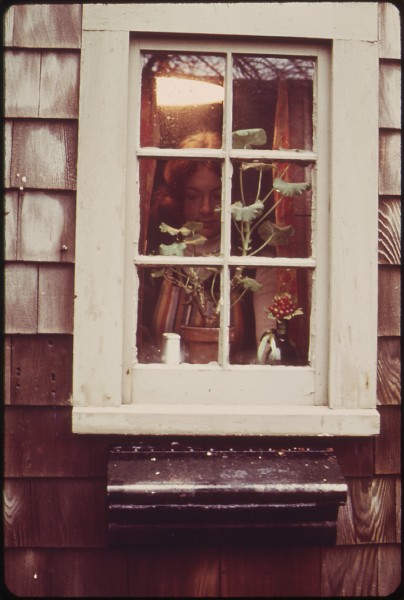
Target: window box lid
x=177, y=494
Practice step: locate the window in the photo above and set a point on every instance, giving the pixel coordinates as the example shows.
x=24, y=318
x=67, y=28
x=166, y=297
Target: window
x=249, y=100
x=284, y=214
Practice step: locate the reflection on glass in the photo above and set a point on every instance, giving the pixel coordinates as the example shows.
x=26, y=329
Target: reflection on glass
x=271, y=209
x=274, y=94
x=179, y=90
x=180, y=201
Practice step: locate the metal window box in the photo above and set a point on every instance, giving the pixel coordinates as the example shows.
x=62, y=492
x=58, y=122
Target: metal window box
x=177, y=495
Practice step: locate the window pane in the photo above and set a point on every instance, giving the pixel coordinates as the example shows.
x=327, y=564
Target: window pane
x=174, y=297
x=268, y=220
x=180, y=206
x=180, y=90
x=263, y=85
x=287, y=293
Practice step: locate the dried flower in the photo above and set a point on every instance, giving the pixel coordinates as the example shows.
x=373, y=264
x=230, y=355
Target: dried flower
x=283, y=307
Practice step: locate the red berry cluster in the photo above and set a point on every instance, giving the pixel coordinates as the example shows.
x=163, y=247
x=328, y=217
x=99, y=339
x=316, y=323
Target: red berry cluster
x=282, y=306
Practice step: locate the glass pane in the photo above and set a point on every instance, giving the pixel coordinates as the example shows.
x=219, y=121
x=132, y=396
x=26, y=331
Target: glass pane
x=182, y=93
x=265, y=301
x=270, y=220
x=178, y=300
x=180, y=207
x=276, y=95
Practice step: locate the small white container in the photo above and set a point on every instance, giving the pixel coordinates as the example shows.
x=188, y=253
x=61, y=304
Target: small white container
x=172, y=348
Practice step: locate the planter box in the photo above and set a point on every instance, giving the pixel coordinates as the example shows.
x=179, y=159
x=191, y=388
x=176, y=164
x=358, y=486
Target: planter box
x=177, y=495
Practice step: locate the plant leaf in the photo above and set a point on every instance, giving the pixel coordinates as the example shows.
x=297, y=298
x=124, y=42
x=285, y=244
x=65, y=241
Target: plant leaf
x=172, y=249
x=243, y=138
x=275, y=235
x=258, y=166
x=193, y=226
x=164, y=228
x=195, y=241
x=246, y=213
x=185, y=230
x=250, y=284
x=157, y=273
x=290, y=189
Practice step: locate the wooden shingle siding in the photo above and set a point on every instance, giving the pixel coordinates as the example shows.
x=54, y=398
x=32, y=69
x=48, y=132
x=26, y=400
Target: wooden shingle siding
x=38, y=432
x=41, y=370
x=389, y=318
x=270, y=572
x=349, y=571
x=390, y=231
x=45, y=153
x=390, y=163
x=390, y=88
x=388, y=371
x=389, y=31
x=43, y=26
x=55, y=482
x=42, y=84
x=21, y=310
x=40, y=226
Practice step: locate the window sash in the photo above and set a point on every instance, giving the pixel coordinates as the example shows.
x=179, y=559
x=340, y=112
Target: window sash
x=309, y=377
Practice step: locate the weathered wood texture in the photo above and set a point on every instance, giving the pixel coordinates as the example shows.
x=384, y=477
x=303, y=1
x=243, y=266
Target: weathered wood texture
x=389, y=321
x=390, y=94
x=55, y=482
x=40, y=370
x=41, y=84
x=43, y=26
x=39, y=298
x=270, y=572
x=45, y=153
x=389, y=371
x=390, y=232
x=389, y=31
x=390, y=163
x=40, y=226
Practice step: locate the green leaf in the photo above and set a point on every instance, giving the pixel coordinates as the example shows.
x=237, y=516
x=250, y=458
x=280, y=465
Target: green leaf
x=275, y=235
x=250, y=284
x=157, y=273
x=246, y=213
x=243, y=138
x=189, y=228
x=164, y=228
x=290, y=189
x=193, y=226
x=257, y=166
x=172, y=249
x=195, y=241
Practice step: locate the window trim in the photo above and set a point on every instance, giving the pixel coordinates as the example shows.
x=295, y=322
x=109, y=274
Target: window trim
x=100, y=382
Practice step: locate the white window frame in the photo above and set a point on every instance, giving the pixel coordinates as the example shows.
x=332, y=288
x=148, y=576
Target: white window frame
x=103, y=333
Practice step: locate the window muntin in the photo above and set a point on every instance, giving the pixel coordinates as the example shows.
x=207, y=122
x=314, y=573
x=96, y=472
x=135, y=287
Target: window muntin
x=233, y=73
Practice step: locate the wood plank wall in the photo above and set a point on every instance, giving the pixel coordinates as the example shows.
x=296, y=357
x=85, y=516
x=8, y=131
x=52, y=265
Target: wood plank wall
x=55, y=482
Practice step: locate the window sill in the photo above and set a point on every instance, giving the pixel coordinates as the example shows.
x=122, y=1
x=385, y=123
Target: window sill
x=180, y=419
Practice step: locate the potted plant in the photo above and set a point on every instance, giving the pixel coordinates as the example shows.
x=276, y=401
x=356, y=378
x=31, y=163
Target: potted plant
x=255, y=231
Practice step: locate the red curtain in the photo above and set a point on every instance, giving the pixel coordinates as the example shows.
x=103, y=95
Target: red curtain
x=149, y=136
x=284, y=212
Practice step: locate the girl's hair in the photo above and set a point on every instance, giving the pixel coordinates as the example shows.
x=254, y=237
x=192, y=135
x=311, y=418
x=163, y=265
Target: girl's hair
x=169, y=196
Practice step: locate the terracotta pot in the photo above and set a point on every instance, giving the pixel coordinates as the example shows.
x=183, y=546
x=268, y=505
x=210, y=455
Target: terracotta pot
x=201, y=344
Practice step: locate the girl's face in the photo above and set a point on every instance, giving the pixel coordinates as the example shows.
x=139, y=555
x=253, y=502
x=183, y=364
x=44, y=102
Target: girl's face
x=202, y=195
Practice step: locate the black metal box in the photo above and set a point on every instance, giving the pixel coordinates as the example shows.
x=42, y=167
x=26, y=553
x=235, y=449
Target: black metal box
x=177, y=495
